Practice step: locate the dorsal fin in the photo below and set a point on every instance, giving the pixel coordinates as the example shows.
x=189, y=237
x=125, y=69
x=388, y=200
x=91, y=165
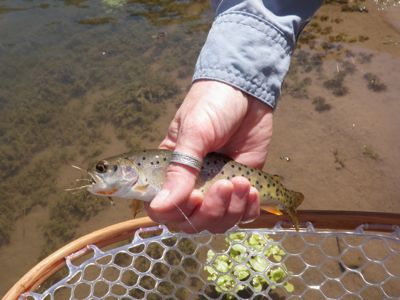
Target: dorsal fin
x=277, y=178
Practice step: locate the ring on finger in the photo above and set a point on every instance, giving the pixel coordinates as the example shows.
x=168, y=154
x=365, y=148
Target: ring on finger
x=186, y=159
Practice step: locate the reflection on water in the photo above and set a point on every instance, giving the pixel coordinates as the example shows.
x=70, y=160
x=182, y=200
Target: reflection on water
x=83, y=79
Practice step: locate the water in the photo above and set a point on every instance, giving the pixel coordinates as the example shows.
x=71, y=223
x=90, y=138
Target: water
x=86, y=79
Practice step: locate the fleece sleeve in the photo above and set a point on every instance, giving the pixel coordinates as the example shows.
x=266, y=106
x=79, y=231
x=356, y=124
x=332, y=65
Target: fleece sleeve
x=250, y=44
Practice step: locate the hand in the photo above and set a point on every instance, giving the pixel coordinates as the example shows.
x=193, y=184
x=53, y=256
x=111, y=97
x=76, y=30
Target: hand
x=213, y=117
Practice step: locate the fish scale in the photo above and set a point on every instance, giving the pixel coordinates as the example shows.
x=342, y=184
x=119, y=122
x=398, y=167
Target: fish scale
x=148, y=168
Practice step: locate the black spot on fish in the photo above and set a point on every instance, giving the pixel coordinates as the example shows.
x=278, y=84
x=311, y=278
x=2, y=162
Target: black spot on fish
x=259, y=173
x=232, y=166
x=139, y=164
x=157, y=162
x=144, y=157
x=265, y=176
x=257, y=182
x=164, y=159
x=151, y=163
x=273, y=184
x=240, y=169
x=248, y=172
x=261, y=186
x=268, y=185
x=228, y=178
x=222, y=172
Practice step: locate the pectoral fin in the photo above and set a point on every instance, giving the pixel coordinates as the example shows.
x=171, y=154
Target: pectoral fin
x=272, y=210
x=136, y=207
x=141, y=188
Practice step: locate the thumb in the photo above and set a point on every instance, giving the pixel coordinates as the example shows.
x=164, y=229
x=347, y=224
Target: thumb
x=179, y=183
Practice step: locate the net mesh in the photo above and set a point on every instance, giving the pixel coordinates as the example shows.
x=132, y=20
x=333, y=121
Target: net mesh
x=242, y=264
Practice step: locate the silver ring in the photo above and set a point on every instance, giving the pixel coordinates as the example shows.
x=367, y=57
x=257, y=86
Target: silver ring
x=186, y=159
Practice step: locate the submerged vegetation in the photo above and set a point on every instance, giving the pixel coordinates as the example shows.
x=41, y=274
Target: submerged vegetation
x=57, y=102
x=374, y=83
x=65, y=217
x=320, y=104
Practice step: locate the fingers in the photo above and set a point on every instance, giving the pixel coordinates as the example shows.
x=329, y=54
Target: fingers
x=226, y=204
x=253, y=206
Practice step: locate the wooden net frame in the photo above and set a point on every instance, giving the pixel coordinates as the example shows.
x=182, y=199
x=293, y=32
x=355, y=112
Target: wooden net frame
x=332, y=220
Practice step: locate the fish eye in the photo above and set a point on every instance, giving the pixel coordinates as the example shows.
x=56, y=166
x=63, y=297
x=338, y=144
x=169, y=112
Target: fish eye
x=101, y=167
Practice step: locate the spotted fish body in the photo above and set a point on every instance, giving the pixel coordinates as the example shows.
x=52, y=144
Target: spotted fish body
x=140, y=175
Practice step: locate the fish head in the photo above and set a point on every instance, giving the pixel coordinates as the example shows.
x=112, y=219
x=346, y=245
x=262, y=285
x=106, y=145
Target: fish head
x=112, y=177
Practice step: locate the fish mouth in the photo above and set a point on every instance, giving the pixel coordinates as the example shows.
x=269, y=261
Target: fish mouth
x=94, y=179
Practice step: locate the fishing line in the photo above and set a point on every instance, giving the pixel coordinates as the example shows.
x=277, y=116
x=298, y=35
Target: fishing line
x=187, y=219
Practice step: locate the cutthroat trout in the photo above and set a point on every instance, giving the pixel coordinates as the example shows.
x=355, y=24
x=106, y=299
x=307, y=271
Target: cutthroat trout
x=139, y=175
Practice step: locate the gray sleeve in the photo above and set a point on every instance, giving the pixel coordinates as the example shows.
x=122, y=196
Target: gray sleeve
x=250, y=44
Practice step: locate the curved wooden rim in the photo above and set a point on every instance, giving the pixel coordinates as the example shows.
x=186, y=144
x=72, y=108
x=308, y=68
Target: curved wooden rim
x=114, y=233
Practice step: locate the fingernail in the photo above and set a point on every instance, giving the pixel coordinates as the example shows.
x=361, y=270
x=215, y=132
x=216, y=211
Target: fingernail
x=247, y=221
x=159, y=200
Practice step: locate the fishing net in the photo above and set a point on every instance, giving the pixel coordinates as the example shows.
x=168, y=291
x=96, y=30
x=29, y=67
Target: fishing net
x=273, y=263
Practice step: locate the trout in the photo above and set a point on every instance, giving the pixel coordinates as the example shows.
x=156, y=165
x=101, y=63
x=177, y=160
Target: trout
x=139, y=175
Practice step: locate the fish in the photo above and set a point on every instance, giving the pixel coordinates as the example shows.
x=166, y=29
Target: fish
x=139, y=175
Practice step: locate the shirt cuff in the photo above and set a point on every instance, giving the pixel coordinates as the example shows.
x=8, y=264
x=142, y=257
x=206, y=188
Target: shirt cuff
x=247, y=52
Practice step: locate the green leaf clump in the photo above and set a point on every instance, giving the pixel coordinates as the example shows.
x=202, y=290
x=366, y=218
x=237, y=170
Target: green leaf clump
x=248, y=255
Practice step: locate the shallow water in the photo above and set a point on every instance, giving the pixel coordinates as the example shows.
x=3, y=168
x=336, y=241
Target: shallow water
x=70, y=69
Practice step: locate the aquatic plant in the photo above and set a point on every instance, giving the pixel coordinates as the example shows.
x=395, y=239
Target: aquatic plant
x=335, y=84
x=65, y=215
x=95, y=21
x=364, y=58
x=338, y=160
x=298, y=88
x=370, y=153
x=320, y=104
x=374, y=83
x=115, y=3
x=171, y=12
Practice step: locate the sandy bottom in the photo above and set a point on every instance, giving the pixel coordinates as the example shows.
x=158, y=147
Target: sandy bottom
x=360, y=119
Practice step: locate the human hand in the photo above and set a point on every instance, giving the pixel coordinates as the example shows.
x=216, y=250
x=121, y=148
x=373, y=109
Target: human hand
x=213, y=117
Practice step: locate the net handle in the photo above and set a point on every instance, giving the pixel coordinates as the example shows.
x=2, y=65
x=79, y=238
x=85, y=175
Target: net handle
x=347, y=220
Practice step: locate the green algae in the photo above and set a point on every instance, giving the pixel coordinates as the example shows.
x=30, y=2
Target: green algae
x=6, y=9
x=96, y=21
x=115, y=3
x=170, y=12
